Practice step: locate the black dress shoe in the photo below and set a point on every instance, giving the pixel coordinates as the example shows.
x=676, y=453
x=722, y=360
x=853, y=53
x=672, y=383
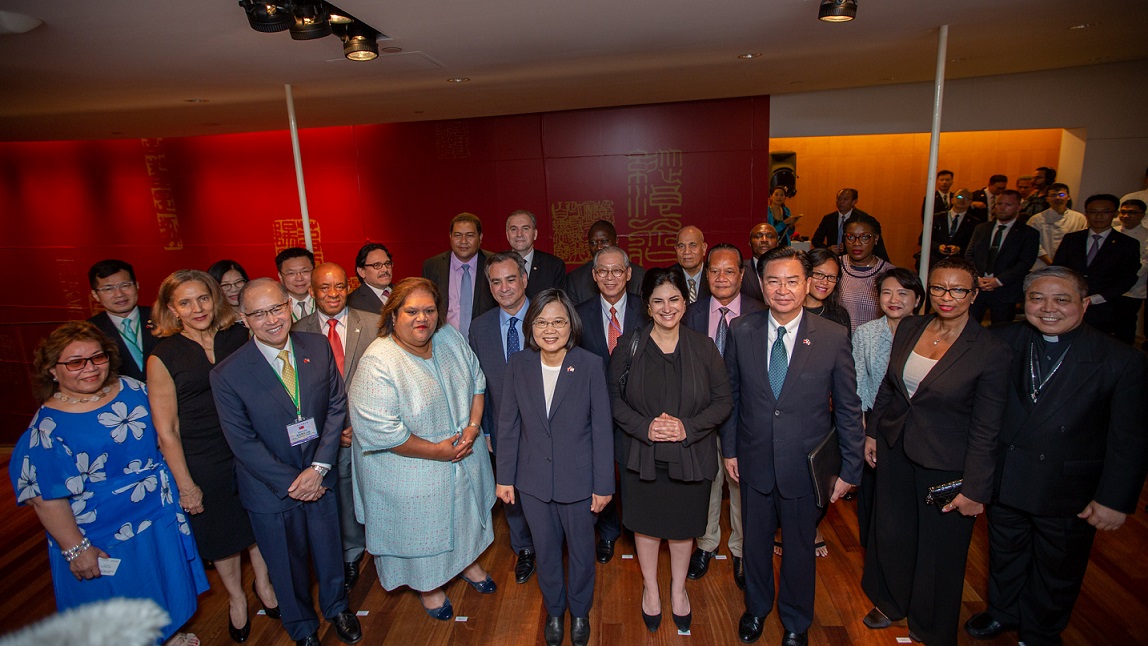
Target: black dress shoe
x=350, y=575
x=238, y=635
x=795, y=639
x=652, y=621
x=605, y=550
x=699, y=564
x=914, y=638
x=309, y=640
x=749, y=628
x=553, y=631
x=524, y=567
x=876, y=619
x=984, y=626
x=272, y=613
x=347, y=627
x=579, y=631
x=739, y=572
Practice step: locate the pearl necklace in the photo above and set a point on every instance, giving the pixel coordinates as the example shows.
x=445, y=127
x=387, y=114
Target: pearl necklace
x=82, y=400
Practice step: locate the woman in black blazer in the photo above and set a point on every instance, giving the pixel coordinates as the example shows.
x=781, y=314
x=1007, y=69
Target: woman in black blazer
x=936, y=420
x=556, y=447
x=676, y=395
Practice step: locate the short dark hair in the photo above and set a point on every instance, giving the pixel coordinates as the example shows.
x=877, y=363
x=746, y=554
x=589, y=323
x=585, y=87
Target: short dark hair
x=997, y=179
x=1049, y=173
x=503, y=256
x=466, y=217
x=221, y=267
x=1136, y=203
x=105, y=268
x=365, y=250
x=784, y=253
x=945, y=172
x=659, y=276
x=1102, y=197
x=852, y=191
x=602, y=224
x=1011, y=191
x=906, y=278
x=724, y=246
x=863, y=218
x=540, y=301
x=1059, y=186
x=293, y=252
x=959, y=263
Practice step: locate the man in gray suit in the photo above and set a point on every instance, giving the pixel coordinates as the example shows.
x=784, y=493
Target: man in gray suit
x=349, y=332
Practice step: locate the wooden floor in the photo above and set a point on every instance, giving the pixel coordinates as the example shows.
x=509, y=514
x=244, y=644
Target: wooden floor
x=1114, y=599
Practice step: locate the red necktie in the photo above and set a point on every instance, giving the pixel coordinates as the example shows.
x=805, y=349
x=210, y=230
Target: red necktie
x=615, y=330
x=336, y=343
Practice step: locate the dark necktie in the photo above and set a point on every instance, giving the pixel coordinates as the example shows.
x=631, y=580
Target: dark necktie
x=778, y=363
x=722, y=330
x=512, y=343
x=1096, y=237
x=465, y=301
x=955, y=225
x=995, y=248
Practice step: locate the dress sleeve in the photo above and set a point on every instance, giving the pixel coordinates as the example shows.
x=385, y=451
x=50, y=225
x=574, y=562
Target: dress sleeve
x=41, y=465
x=375, y=405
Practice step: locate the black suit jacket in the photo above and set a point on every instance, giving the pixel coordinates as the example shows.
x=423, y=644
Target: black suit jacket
x=1086, y=437
x=128, y=367
x=703, y=281
x=697, y=315
x=981, y=195
x=942, y=234
x=751, y=282
x=1114, y=270
x=1015, y=257
x=437, y=270
x=546, y=271
x=953, y=420
x=771, y=436
x=593, y=327
x=580, y=285
x=939, y=205
x=364, y=298
x=826, y=233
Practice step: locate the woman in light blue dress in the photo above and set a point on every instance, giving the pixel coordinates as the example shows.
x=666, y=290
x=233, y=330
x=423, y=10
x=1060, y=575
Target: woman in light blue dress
x=423, y=481
x=90, y=465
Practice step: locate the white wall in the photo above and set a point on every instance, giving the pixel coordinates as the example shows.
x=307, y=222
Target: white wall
x=1105, y=104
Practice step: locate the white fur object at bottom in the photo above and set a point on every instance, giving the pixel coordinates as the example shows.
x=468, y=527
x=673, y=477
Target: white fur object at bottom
x=116, y=622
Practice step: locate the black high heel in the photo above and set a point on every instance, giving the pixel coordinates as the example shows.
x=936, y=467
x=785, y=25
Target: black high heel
x=273, y=613
x=652, y=621
x=240, y=635
x=683, y=621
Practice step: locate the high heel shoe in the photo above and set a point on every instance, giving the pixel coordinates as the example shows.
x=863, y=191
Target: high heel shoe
x=682, y=621
x=273, y=613
x=652, y=621
x=239, y=635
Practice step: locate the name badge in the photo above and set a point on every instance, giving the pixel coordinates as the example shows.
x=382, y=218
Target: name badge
x=302, y=431
x=108, y=566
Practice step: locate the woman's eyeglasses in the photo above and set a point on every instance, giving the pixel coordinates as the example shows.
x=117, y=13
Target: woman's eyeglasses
x=76, y=365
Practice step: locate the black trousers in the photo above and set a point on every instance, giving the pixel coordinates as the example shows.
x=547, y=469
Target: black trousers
x=1036, y=567
x=915, y=556
x=762, y=514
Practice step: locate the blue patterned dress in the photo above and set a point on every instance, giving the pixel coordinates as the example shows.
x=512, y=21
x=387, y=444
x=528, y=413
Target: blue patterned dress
x=426, y=520
x=107, y=463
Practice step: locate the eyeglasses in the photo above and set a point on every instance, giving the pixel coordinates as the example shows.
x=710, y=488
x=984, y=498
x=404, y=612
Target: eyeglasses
x=296, y=274
x=817, y=275
x=557, y=324
x=790, y=283
x=958, y=293
x=380, y=265
x=258, y=315
x=121, y=287
x=865, y=237
x=612, y=273
x=233, y=287
x=76, y=365
x=1131, y=212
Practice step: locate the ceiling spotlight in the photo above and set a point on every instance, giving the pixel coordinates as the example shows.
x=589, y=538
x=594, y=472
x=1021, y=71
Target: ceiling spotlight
x=338, y=16
x=359, y=43
x=837, y=10
x=458, y=79
x=748, y=55
x=310, y=21
x=266, y=17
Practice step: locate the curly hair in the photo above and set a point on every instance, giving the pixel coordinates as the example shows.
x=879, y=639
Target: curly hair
x=48, y=354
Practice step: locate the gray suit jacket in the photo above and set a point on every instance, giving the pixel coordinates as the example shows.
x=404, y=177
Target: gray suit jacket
x=362, y=330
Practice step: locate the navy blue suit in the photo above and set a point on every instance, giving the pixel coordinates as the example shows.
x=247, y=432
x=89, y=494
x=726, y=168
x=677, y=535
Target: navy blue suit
x=254, y=410
x=555, y=460
x=771, y=437
x=485, y=338
x=697, y=315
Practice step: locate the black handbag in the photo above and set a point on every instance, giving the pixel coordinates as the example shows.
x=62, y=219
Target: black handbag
x=824, y=466
x=629, y=361
x=943, y=494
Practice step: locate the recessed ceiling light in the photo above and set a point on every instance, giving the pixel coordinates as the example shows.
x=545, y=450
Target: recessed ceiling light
x=196, y=100
x=458, y=79
x=748, y=55
x=391, y=50
x=1083, y=25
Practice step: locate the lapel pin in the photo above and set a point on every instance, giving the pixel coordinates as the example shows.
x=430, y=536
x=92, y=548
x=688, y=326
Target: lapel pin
x=570, y=369
x=306, y=360
x=806, y=342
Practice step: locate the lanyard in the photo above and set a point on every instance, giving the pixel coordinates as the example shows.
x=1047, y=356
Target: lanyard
x=293, y=395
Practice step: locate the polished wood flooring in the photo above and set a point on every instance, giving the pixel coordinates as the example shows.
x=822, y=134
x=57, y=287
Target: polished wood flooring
x=1114, y=599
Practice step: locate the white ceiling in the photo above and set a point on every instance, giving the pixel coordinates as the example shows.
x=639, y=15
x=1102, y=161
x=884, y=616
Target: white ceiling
x=126, y=68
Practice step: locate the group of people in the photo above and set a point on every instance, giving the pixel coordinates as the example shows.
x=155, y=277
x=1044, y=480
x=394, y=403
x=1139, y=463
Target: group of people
x=586, y=402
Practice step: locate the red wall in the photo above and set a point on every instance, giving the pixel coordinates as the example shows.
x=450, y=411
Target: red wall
x=167, y=204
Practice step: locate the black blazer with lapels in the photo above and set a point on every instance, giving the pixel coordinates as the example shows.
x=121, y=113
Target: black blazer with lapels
x=1114, y=269
x=1014, y=258
x=128, y=367
x=437, y=270
x=953, y=420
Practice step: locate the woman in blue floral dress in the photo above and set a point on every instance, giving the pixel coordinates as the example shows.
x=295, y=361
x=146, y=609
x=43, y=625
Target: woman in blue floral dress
x=90, y=466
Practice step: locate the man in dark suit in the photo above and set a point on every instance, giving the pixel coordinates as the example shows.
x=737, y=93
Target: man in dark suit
x=581, y=284
x=782, y=384
x=1002, y=250
x=942, y=197
x=349, y=331
x=953, y=230
x=375, y=268
x=494, y=337
x=295, y=265
x=458, y=273
x=712, y=317
x=690, y=249
x=1109, y=262
x=123, y=319
x=282, y=407
x=1071, y=460
x=612, y=313
x=830, y=232
x=984, y=201
x=762, y=237
x=543, y=270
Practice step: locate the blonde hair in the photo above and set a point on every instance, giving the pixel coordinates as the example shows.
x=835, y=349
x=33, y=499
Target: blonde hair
x=168, y=324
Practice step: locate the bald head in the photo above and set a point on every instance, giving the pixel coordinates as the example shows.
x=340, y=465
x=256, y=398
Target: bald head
x=690, y=249
x=329, y=287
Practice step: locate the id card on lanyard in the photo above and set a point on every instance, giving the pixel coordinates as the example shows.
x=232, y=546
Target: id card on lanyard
x=301, y=430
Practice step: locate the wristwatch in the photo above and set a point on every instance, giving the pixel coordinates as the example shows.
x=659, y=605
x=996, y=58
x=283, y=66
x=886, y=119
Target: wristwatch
x=323, y=471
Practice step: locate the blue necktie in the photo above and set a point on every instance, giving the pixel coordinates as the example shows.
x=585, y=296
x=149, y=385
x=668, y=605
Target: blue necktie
x=722, y=331
x=133, y=343
x=465, y=301
x=778, y=363
x=512, y=343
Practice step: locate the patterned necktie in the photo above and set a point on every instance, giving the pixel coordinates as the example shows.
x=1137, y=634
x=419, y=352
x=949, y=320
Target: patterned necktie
x=1096, y=237
x=995, y=248
x=133, y=343
x=614, y=332
x=693, y=282
x=722, y=330
x=778, y=363
x=465, y=301
x=288, y=373
x=386, y=294
x=336, y=343
x=302, y=307
x=512, y=343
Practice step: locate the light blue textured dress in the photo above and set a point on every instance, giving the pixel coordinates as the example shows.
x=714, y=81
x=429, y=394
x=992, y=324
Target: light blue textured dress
x=872, y=345
x=426, y=520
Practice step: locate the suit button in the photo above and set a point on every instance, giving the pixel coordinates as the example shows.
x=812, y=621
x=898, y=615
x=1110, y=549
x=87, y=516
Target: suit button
x=1011, y=447
x=1061, y=429
x=1042, y=457
x=777, y=413
x=548, y=459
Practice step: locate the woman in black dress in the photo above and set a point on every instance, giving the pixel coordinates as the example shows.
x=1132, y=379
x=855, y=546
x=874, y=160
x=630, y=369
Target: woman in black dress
x=193, y=315
x=676, y=394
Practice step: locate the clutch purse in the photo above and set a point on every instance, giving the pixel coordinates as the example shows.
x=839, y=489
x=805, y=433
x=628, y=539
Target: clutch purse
x=824, y=465
x=943, y=494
